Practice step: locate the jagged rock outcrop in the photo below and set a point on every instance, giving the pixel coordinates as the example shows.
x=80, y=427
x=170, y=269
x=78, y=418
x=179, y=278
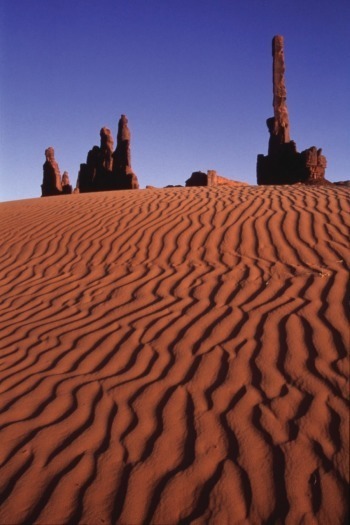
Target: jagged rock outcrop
x=66, y=185
x=52, y=176
x=281, y=117
x=211, y=178
x=345, y=183
x=106, y=170
x=52, y=183
x=106, y=147
x=284, y=164
x=122, y=156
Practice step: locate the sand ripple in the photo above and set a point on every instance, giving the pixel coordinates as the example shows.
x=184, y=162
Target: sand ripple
x=175, y=356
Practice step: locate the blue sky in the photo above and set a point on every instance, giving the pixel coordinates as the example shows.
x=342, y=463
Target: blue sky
x=193, y=77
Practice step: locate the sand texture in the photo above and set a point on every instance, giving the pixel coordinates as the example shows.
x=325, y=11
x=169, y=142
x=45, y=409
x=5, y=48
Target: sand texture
x=175, y=356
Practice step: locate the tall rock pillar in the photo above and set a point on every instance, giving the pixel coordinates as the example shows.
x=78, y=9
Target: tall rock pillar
x=122, y=156
x=52, y=176
x=52, y=182
x=281, y=117
x=106, y=170
x=283, y=164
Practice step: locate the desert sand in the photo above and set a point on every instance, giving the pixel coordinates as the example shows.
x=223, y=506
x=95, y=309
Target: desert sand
x=175, y=356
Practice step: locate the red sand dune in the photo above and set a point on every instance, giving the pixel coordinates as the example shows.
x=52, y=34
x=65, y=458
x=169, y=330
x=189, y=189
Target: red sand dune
x=175, y=356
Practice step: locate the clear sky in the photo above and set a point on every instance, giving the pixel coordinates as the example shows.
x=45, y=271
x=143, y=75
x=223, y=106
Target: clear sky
x=194, y=78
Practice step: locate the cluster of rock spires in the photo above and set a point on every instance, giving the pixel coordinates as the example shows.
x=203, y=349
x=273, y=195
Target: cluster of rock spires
x=283, y=164
x=53, y=183
x=106, y=169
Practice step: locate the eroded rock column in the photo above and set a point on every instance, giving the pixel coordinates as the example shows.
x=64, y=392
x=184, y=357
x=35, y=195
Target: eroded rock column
x=281, y=117
x=52, y=176
x=284, y=164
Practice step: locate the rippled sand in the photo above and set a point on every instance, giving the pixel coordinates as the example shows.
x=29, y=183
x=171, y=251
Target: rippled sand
x=175, y=356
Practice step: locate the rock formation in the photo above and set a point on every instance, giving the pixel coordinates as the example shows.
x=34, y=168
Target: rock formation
x=122, y=156
x=283, y=164
x=107, y=143
x=211, y=178
x=281, y=118
x=52, y=176
x=66, y=185
x=52, y=182
x=107, y=170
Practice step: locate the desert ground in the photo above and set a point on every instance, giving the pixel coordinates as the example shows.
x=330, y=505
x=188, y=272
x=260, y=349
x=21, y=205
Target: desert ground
x=175, y=356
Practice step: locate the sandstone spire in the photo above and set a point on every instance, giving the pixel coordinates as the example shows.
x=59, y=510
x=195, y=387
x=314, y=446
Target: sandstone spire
x=52, y=182
x=106, y=148
x=284, y=164
x=66, y=185
x=52, y=176
x=107, y=170
x=122, y=156
x=281, y=118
